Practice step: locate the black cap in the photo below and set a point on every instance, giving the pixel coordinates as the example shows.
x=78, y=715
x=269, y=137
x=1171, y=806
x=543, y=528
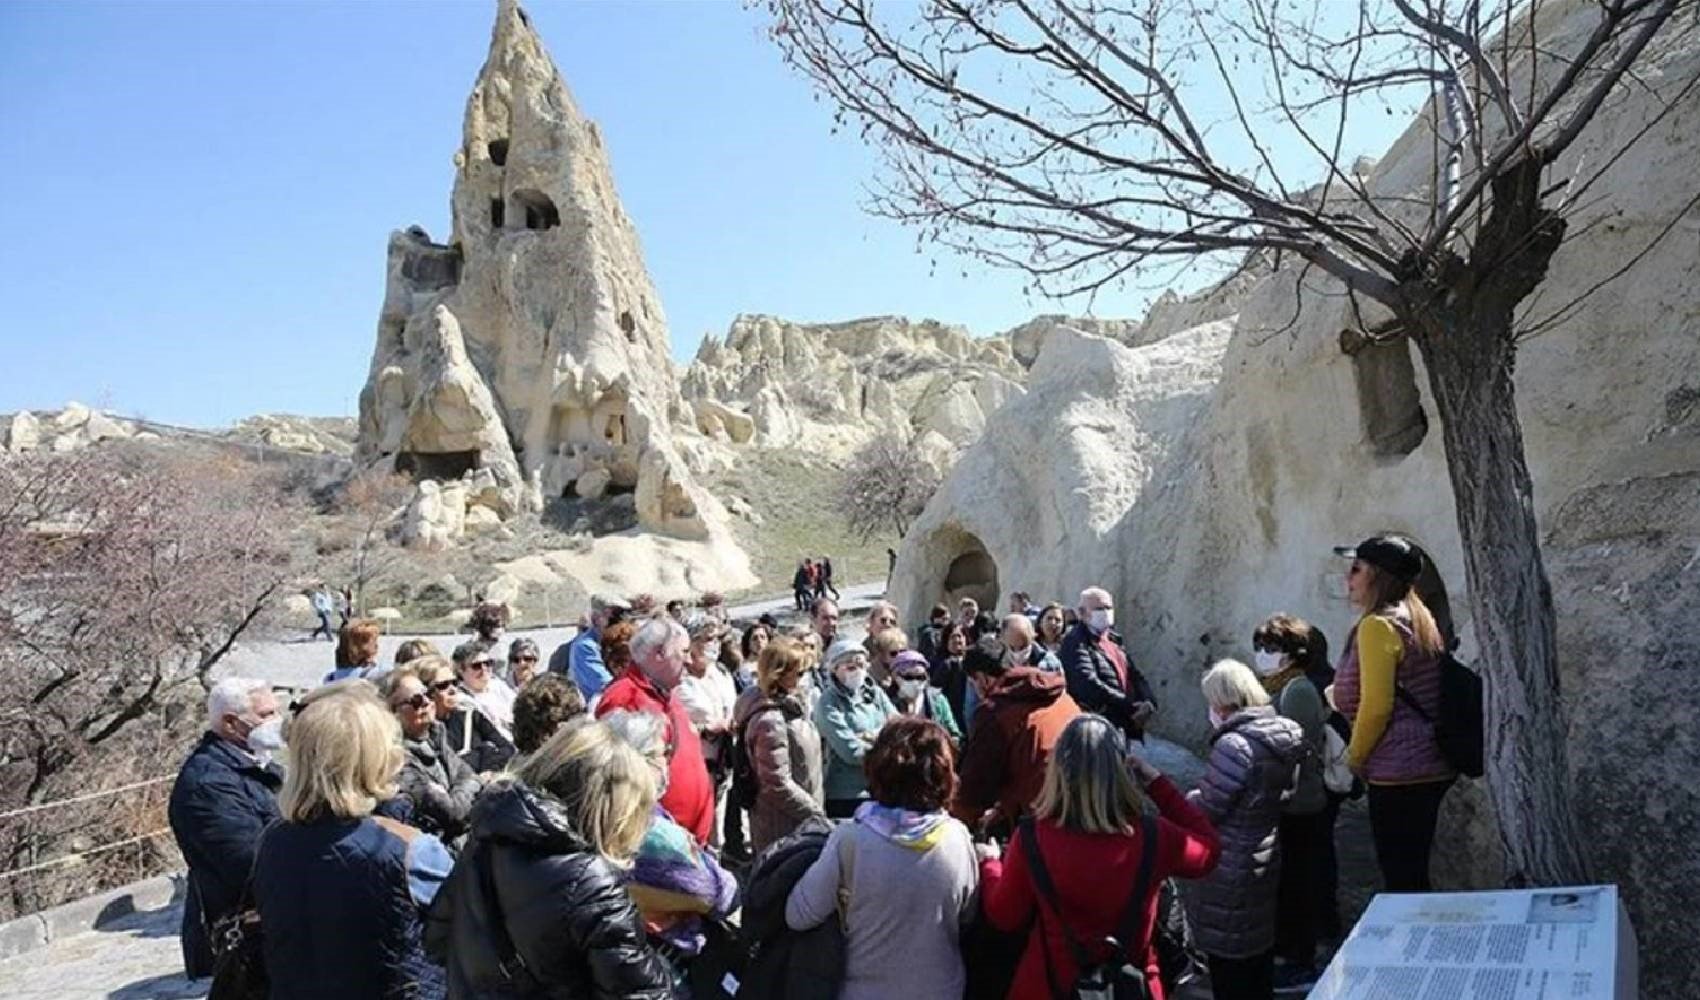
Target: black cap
x=1392, y=553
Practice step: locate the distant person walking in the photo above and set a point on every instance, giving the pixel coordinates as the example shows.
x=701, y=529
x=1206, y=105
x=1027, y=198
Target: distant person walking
x=802, y=586
x=323, y=607
x=826, y=586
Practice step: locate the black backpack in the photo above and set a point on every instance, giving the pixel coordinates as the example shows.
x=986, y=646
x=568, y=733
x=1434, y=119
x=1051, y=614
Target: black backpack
x=1120, y=976
x=1458, y=727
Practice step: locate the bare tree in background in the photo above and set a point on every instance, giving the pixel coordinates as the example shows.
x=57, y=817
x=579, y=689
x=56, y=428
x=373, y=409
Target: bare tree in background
x=372, y=499
x=885, y=487
x=126, y=575
x=1069, y=139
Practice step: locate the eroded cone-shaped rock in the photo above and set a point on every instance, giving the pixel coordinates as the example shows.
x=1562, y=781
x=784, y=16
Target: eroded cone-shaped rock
x=564, y=360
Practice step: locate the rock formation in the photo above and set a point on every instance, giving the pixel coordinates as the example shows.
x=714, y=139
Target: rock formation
x=530, y=349
x=830, y=385
x=1205, y=476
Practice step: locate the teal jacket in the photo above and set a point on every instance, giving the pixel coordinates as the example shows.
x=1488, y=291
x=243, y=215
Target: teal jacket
x=848, y=724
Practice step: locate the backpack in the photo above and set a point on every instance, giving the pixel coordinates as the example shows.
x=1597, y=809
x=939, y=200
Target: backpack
x=1119, y=976
x=744, y=788
x=1458, y=725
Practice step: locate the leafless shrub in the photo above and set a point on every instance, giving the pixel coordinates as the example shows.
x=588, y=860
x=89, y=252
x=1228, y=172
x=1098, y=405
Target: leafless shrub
x=885, y=486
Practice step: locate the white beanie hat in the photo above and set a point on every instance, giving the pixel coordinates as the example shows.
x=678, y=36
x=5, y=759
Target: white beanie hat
x=840, y=649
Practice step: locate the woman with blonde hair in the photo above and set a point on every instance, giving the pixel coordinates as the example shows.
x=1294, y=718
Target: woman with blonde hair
x=1254, y=759
x=538, y=905
x=782, y=744
x=1087, y=833
x=340, y=891
x=1388, y=685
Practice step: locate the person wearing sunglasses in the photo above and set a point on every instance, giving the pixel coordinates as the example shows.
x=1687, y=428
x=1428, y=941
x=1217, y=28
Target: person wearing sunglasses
x=523, y=657
x=472, y=734
x=440, y=785
x=492, y=695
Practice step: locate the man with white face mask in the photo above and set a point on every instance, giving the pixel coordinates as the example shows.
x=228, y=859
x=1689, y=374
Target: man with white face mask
x=1101, y=676
x=225, y=795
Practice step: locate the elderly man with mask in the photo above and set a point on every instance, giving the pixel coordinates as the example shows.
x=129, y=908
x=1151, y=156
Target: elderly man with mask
x=1101, y=676
x=659, y=651
x=1021, y=649
x=224, y=797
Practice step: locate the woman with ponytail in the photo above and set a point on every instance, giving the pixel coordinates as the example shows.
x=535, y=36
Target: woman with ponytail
x=1388, y=685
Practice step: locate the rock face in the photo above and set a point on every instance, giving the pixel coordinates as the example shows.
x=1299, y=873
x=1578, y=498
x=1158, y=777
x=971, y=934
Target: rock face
x=531, y=348
x=832, y=384
x=1204, y=477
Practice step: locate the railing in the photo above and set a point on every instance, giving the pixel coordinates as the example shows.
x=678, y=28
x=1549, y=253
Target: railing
x=134, y=810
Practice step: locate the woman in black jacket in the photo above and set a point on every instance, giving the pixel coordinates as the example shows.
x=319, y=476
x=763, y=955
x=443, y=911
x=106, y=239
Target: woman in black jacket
x=472, y=735
x=537, y=905
x=439, y=784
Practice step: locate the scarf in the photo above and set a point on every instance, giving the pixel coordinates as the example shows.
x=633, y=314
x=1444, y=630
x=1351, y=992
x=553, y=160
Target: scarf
x=916, y=831
x=1281, y=678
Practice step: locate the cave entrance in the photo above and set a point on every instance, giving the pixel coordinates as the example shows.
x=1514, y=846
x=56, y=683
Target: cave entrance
x=539, y=211
x=972, y=572
x=423, y=465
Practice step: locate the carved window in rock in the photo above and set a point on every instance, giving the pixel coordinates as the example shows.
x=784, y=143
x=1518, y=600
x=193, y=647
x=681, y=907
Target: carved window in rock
x=538, y=210
x=614, y=431
x=629, y=325
x=422, y=465
x=498, y=213
x=498, y=150
x=1390, y=407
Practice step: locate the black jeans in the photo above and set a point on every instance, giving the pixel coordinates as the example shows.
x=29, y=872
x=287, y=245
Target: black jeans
x=1243, y=978
x=1402, y=819
x=1328, y=875
x=1298, y=904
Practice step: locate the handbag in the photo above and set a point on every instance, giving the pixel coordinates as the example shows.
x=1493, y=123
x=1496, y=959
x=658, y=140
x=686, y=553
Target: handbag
x=238, y=946
x=1119, y=976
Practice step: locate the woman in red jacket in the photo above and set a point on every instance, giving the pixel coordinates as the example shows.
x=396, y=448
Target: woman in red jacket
x=1088, y=829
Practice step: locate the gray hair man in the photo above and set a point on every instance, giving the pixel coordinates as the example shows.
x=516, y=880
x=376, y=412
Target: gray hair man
x=581, y=658
x=224, y=797
x=650, y=684
x=1101, y=675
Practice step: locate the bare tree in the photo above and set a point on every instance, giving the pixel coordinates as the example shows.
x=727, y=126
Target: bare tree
x=126, y=575
x=371, y=499
x=885, y=487
x=1085, y=141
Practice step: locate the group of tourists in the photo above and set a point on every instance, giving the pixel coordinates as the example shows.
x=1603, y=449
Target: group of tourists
x=674, y=805
x=813, y=581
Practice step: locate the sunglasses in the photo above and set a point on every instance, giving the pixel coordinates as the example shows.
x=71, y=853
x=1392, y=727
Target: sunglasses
x=478, y=665
x=418, y=703
x=523, y=659
x=441, y=686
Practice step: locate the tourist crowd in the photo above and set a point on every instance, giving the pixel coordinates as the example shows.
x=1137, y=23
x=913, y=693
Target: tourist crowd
x=671, y=805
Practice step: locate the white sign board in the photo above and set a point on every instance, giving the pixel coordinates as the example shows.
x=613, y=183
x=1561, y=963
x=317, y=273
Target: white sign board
x=1535, y=944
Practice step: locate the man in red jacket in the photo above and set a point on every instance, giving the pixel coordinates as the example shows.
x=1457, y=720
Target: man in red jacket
x=648, y=685
x=1022, y=712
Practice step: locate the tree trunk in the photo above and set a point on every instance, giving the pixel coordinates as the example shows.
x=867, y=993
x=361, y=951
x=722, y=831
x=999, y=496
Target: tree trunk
x=1470, y=356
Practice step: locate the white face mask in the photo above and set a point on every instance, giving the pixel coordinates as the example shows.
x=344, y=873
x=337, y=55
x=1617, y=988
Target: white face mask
x=1100, y=619
x=910, y=689
x=1267, y=663
x=267, y=737
x=853, y=679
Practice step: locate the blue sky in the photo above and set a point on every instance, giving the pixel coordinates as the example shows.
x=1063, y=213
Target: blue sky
x=196, y=197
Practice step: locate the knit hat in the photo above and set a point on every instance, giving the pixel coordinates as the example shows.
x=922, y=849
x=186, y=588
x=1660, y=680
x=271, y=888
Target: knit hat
x=840, y=649
x=908, y=658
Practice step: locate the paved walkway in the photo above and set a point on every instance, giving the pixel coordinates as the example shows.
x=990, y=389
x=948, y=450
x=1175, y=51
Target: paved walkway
x=303, y=663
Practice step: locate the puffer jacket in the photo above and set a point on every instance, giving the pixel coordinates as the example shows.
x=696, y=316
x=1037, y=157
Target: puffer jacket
x=785, y=750
x=569, y=923
x=440, y=785
x=341, y=902
x=1254, y=757
x=848, y=723
x=1096, y=685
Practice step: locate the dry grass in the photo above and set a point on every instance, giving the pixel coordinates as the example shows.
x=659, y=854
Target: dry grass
x=795, y=494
